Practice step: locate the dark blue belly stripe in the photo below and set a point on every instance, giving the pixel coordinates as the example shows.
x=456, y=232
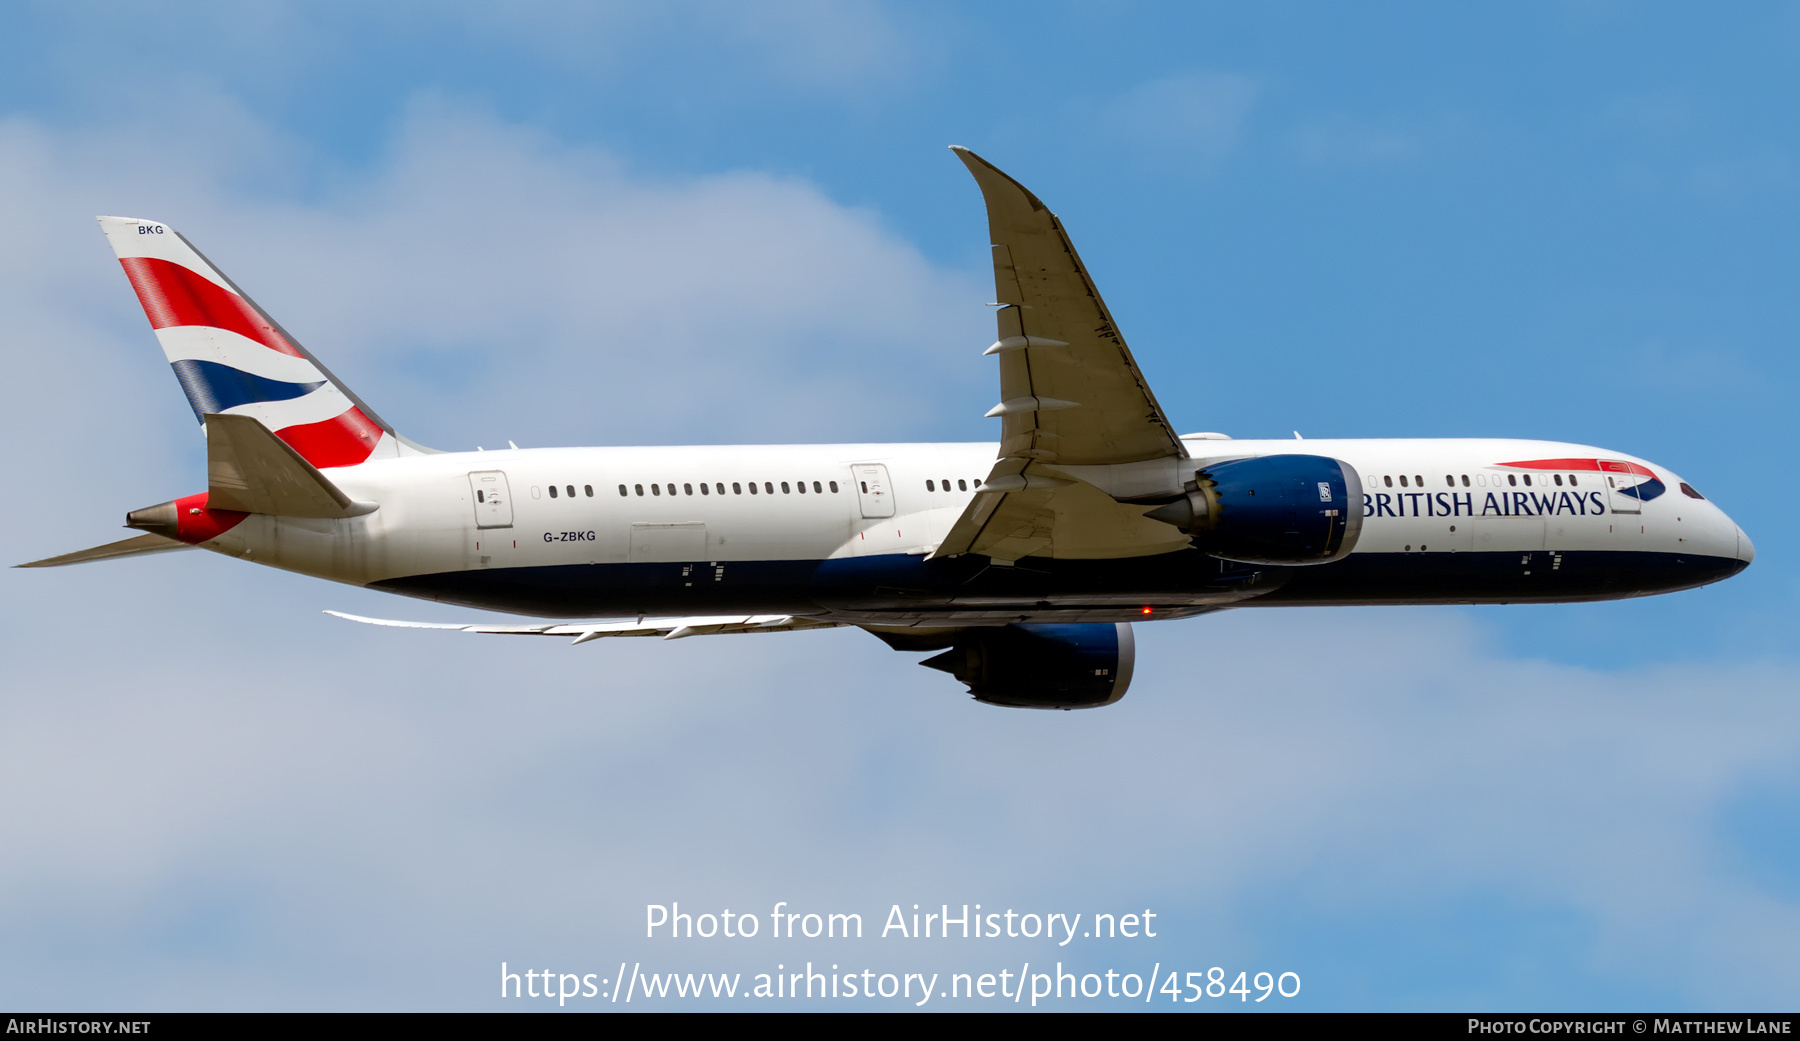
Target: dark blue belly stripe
x=1043, y=588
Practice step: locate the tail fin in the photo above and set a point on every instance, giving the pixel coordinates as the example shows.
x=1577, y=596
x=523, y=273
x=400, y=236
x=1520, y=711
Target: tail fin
x=232, y=358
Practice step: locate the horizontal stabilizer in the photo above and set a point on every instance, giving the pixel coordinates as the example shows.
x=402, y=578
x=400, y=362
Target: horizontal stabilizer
x=132, y=547
x=250, y=470
x=667, y=628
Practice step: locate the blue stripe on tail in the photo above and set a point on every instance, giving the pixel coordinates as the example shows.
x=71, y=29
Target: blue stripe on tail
x=212, y=387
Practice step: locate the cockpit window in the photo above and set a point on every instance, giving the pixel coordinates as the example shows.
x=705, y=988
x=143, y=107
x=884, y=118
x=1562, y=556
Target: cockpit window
x=1688, y=490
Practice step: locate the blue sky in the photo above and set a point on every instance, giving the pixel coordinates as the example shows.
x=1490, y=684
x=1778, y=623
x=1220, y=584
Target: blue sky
x=616, y=224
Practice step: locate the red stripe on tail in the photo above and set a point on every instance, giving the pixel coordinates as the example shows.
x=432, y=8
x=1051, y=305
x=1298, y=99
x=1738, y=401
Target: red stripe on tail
x=173, y=295
x=343, y=441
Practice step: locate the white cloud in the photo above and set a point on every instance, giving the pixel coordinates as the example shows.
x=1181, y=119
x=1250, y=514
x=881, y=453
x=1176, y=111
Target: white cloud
x=807, y=45
x=678, y=54
x=1674, y=146
x=1342, y=140
x=1195, y=118
x=295, y=810
x=828, y=44
x=484, y=283
x=1659, y=116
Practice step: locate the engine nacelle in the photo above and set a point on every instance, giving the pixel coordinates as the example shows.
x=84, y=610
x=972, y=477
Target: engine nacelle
x=1273, y=509
x=1043, y=666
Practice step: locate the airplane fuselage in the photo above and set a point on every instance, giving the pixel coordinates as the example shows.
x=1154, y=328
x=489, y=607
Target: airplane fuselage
x=846, y=533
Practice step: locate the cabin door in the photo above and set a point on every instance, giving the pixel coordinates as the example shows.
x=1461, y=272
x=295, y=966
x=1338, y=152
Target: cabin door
x=873, y=490
x=1618, y=478
x=492, y=499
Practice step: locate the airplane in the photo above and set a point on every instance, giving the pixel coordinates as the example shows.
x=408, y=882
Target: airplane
x=1024, y=564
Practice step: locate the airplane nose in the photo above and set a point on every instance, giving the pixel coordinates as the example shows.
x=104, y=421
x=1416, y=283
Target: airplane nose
x=1745, y=551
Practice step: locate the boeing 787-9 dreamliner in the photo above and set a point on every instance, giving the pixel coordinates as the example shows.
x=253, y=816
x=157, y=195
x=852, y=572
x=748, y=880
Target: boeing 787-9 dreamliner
x=1023, y=563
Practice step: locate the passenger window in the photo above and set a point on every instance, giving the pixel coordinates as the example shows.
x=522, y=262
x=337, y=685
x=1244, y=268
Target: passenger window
x=1559, y=480
x=769, y=488
x=1449, y=480
x=752, y=487
x=703, y=489
x=817, y=490
x=688, y=488
x=1418, y=481
x=570, y=489
x=655, y=490
x=623, y=492
x=1527, y=480
x=553, y=491
x=930, y=487
x=1402, y=480
x=1512, y=479
x=946, y=484
x=800, y=486
x=640, y=488
x=736, y=489
x=834, y=487
x=1571, y=480
x=784, y=488
x=977, y=482
x=961, y=485
x=1465, y=478
x=720, y=488
x=1388, y=481
x=589, y=489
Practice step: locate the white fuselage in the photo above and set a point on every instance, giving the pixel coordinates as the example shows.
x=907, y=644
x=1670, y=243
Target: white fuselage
x=693, y=506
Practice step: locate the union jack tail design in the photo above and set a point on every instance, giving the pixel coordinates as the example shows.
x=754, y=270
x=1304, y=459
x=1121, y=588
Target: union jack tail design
x=232, y=358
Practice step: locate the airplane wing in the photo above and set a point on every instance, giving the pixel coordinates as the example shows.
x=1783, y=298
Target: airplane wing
x=667, y=628
x=1070, y=395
